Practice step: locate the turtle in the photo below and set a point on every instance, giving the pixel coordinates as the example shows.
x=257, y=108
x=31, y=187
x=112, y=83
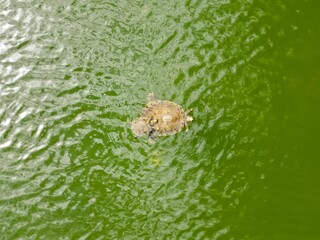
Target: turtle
x=160, y=118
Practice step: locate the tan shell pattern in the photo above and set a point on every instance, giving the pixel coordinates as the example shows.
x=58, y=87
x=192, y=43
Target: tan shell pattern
x=160, y=118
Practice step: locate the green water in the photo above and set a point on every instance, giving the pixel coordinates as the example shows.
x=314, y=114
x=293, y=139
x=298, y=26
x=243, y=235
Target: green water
x=75, y=73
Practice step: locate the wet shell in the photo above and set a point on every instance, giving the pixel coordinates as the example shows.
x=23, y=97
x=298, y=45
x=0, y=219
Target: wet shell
x=160, y=118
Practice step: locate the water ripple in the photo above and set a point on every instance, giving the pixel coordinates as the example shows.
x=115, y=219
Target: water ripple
x=76, y=74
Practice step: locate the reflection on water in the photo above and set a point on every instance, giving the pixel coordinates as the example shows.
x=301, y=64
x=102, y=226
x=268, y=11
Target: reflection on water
x=73, y=76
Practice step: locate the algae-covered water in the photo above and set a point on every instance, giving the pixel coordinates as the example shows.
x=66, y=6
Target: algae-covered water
x=73, y=74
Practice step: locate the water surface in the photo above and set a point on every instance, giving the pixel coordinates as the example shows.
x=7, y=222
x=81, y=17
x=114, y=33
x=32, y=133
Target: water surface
x=75, y=73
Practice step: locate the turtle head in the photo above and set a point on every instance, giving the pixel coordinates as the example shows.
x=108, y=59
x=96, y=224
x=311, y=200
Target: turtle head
x=140, y=127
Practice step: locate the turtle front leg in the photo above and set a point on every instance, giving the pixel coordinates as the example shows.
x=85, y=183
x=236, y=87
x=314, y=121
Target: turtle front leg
x=151, y=97
x=188, y=111
x=187, y=119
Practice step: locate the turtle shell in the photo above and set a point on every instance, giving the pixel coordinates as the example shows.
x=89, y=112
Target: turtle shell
x=160, y=118
x=165, y=117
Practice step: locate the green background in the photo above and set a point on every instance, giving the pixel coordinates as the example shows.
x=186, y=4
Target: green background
x=75, y=73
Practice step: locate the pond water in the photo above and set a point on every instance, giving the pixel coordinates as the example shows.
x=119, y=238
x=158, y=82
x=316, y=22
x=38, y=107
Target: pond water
x=75, y=73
